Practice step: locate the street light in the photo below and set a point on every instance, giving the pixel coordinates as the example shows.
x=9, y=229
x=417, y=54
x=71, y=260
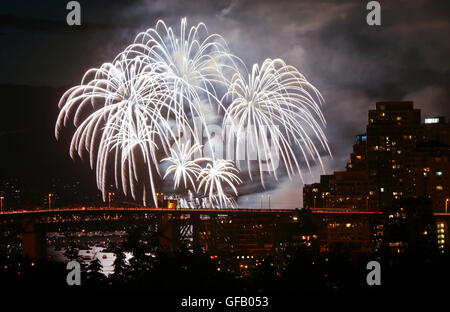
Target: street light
x=157, y=198
x=109, y=199
x=50, y=195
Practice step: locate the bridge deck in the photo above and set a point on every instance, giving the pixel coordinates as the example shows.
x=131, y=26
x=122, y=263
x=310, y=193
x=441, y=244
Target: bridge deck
x=192, y=211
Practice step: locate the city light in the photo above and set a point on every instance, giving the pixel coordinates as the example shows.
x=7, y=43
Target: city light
x=431, y=120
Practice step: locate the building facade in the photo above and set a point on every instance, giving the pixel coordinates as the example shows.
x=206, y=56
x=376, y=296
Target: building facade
x=398, y=157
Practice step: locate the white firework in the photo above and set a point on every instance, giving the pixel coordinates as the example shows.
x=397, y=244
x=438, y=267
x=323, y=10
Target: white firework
x=193, y=63
x=222, y=201
x=215, y=178
x=133, y=110
x=184, y=166
x=125, y=103
x=127, y=142
x=275, y=103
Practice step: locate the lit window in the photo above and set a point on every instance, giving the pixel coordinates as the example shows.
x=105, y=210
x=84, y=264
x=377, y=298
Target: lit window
x=439, y=173
x=382, y=189
x=431, y=120
x=439, y=187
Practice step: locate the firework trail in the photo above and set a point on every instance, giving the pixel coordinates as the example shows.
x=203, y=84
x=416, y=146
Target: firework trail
x=138, y=108
x=275, y=103
x=125, y=102
x=214, y=177
x=184, y=166
x=193, y=64
x=136, y=101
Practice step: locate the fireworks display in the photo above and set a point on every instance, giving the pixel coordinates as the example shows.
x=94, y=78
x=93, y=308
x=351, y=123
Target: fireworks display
x=212, y=178
x=275, y=105
x=135, y=113
x=184, y=166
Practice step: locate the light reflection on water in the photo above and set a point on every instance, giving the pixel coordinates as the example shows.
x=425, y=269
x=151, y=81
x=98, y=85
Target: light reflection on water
x=106, y=258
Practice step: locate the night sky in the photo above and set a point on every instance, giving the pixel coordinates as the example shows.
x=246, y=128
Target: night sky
x=352, y=64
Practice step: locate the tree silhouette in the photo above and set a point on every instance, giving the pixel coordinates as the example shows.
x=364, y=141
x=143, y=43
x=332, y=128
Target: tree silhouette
x=95, y=277
x=121, y=272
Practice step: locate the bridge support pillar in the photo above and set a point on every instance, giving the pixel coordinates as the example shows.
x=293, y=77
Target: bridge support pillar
x=33, y=239
x=195, y=220
x=169, y=233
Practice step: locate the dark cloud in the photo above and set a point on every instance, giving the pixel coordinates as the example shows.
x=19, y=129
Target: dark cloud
x=42, y=25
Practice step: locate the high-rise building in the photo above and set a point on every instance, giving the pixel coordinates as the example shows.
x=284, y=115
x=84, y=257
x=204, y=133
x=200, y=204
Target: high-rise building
x=436, y=129
x=429, y=170
x=393, y=131
x=315, y=195
x=398, y=157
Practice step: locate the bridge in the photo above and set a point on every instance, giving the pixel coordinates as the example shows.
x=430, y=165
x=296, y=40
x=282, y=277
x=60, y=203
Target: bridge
x=232, y=233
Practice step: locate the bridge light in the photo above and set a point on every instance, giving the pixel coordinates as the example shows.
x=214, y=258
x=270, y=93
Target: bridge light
x=50, y=195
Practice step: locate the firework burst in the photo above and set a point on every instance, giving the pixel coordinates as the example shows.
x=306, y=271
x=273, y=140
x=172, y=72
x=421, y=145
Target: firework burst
x=275, y=103
x=138, y=108
x=123, y=104
x=214, y=178
x=184, y=166
x=193, y=64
